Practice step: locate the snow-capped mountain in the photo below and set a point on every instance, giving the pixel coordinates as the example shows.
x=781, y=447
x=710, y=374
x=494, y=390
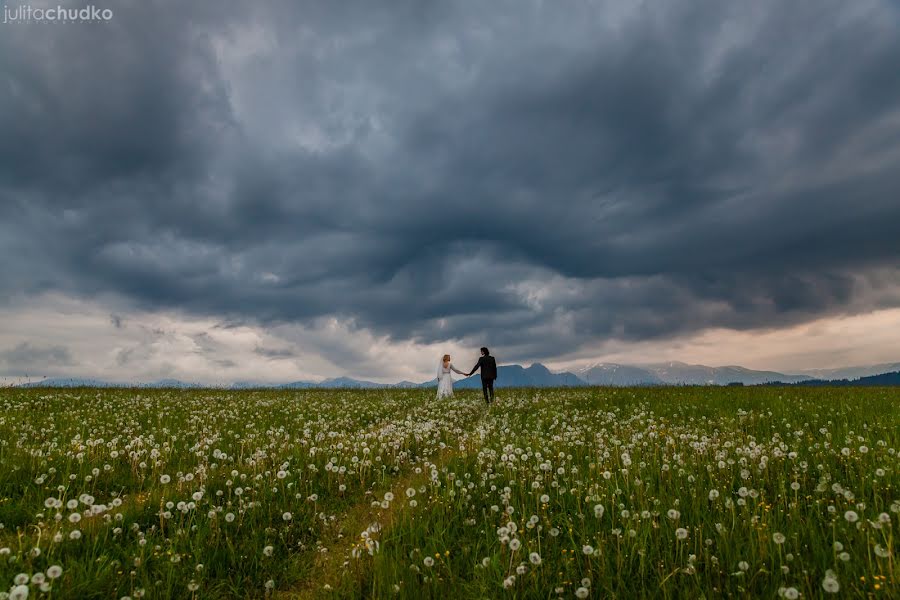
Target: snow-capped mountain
x=616, y=374
x=679, y=373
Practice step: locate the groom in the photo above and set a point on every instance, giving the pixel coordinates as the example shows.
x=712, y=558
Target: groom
x=488, y=367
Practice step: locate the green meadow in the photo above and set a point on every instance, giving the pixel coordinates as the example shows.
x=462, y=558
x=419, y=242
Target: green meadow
x=691, y=492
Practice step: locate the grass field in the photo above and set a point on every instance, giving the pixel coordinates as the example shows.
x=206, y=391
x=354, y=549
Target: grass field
x=585, y=493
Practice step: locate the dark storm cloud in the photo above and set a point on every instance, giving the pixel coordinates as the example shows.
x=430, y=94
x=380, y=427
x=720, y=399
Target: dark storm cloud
x=534, y=175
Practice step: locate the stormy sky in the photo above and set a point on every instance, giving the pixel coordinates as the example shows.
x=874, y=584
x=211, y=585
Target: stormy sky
x=285, y=190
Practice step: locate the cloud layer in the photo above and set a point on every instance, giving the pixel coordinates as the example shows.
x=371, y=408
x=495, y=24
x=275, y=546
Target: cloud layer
x=537, y=176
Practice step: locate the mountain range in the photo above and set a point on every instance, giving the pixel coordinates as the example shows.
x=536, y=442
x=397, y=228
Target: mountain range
x=678, y=373
x=538, y=375
x=882, y=379
x=852, y=372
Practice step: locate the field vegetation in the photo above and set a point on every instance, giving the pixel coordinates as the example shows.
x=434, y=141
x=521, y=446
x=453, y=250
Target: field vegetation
x=560, y=493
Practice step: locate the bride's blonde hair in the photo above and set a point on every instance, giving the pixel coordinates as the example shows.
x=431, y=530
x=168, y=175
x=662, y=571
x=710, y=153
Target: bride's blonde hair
x=446, y=358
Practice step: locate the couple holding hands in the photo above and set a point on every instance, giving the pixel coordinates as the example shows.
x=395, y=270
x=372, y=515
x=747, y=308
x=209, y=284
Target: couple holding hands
x=486, y=364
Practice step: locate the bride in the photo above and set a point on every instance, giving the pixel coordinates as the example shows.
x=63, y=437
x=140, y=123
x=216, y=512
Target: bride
x=445, y=378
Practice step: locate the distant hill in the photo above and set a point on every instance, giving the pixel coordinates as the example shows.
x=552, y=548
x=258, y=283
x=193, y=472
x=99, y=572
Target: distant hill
x=249, y=385
x=171, y=383
x=882, y=379
x=679, y=373
x=406, y=384
x=81, y=382
x=852, y=372
x=347, y=382
x=295, y=385
x=71, y=382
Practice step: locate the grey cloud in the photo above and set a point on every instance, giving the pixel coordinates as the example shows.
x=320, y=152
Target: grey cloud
x=125, y=356
x=275, y=353
x=25, y=357
x=530, y=177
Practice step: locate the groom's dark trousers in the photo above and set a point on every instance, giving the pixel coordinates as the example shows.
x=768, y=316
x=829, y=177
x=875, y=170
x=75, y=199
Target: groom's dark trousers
x=487, y=385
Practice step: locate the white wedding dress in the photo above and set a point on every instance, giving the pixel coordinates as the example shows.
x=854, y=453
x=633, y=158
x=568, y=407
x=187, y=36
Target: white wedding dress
x=445, y=380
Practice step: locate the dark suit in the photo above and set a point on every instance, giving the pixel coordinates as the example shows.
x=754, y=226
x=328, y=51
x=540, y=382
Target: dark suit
x=488, y=367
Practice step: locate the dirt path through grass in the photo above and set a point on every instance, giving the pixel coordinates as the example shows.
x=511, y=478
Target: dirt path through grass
x=367, y=520
x=335, y=561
